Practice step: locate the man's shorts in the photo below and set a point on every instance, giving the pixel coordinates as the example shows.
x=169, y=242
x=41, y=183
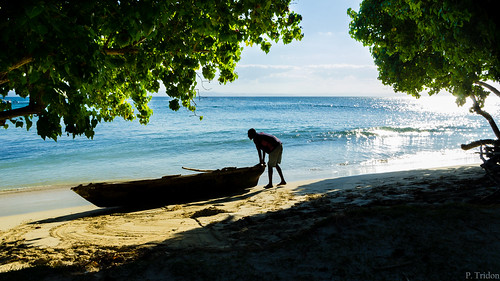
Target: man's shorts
x=275, y=156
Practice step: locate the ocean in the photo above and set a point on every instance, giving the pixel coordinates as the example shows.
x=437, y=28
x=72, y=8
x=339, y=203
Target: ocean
x=323, y=137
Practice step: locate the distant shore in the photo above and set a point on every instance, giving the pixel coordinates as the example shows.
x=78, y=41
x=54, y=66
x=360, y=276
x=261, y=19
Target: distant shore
x=378, y=223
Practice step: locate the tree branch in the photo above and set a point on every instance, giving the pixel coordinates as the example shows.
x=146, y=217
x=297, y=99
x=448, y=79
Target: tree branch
x=489, y=87
x=478, y=143
x=120, y=52
x=108, y=51
x=130, y=49
x=486, y=115
x=31, y=109
x=35, y=106
x=23, y=61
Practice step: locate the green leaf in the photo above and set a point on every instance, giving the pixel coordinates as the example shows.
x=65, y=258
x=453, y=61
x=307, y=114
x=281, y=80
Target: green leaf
x=84, y=62
x=174, y=104
x=28, y=121
x=265, y=46
x=428, y=46
x=34, y=11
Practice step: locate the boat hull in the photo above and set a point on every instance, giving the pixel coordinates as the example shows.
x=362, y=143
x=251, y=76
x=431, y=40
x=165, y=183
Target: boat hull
x=173, y=189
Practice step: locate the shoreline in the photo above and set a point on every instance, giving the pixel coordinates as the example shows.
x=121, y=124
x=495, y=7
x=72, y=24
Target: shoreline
x=424, y=160
x=373, y=223
x=19, y=207
x=34, y=199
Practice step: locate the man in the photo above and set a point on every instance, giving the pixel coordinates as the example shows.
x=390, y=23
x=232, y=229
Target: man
x=266, y=143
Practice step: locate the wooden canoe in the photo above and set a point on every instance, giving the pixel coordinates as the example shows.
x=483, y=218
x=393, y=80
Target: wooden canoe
x=172, y=189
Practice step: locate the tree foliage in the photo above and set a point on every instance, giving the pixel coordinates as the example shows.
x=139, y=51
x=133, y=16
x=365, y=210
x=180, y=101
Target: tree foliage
x=433, y=46
x=84, y=62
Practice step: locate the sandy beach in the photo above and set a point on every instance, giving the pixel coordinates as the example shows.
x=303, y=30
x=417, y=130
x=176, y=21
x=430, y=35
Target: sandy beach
x=429, y=224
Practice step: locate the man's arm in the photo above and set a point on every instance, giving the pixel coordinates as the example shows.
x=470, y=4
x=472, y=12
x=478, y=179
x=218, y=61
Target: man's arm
x=262, y=155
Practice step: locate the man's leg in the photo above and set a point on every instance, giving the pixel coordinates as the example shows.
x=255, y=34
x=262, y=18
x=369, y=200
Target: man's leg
x=278, y=168
x=270, y=174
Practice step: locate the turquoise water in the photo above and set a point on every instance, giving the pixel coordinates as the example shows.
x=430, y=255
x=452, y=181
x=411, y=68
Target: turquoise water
x=322, y=137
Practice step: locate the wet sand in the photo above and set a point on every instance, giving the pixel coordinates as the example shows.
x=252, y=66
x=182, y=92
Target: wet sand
x=40, y=200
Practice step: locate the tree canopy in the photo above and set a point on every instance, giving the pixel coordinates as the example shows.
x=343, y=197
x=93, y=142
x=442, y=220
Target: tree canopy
x=84, y=62
x=433, y=46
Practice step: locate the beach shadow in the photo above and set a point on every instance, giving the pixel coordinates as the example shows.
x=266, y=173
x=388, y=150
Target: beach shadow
x=75, y=216
x=316, y=237
x=223, y=198
x=384, y=242
x=391, y=179
x=234, y=197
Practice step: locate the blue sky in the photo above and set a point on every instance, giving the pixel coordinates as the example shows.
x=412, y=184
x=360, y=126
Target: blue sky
x=327, y=62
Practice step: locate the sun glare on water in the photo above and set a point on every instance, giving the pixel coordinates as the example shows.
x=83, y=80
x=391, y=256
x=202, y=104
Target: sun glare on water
x=440, y=104
x=446, y=104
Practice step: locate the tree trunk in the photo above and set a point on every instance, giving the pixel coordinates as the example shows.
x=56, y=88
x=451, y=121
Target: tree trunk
x=487, y=116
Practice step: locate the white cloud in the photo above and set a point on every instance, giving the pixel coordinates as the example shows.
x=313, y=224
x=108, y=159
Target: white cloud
x=314, y=79
x=311, y=66
x=329, y=33
x=341, y=66
x=268, y=66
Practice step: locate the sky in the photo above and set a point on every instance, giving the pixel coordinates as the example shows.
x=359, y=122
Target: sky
x=326, y=62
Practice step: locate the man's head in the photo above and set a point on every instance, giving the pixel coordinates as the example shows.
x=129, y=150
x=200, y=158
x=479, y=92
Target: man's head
x=251, y=133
